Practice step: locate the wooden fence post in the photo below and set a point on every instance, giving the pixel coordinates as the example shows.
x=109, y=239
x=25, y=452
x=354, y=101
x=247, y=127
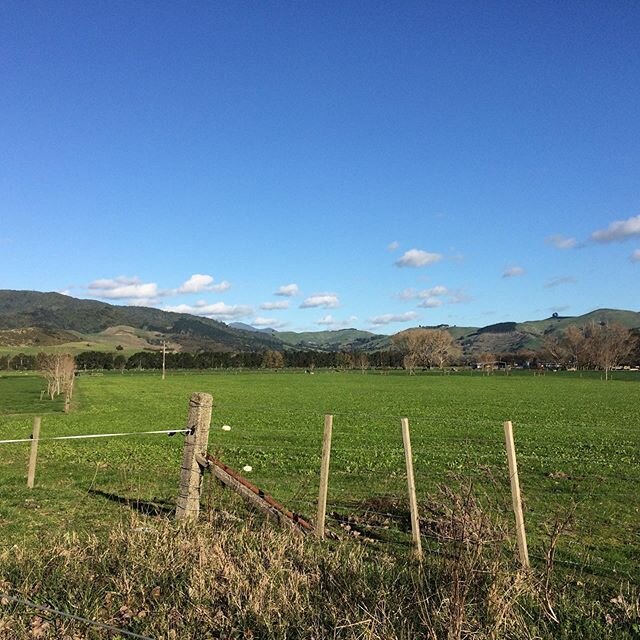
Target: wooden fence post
x=193, y=458
x=411, y=484
x=33, y=457
x=515, y=495
x=324, y=476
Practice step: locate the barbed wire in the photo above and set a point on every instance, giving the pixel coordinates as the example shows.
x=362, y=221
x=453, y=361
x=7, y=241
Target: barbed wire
x=170, y=432
x=65, y=614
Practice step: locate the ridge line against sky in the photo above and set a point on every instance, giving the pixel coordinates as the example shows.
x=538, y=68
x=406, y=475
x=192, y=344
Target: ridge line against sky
x=322, y=166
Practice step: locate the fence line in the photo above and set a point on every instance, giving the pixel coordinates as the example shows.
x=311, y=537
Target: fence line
x=170, y=432
x=58, y=612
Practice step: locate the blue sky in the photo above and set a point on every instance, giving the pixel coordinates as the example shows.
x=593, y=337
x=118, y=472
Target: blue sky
x=314, y=165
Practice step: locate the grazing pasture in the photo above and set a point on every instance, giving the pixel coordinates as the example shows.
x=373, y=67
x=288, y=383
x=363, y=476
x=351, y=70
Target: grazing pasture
x=578, y=444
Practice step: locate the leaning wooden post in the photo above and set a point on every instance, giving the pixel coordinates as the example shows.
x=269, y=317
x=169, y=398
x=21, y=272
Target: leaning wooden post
x=515, y=495
x=33, y=457
x=324, y=476
x=411, y=484
x=193, y=458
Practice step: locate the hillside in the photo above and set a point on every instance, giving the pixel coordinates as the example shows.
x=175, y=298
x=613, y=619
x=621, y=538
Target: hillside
x=90, y=319
x=32, y=320
x=351, y=339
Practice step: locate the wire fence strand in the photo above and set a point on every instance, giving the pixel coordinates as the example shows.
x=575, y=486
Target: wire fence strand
x=57, y=612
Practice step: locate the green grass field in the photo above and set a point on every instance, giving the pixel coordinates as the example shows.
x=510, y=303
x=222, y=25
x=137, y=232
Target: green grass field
x=578, y=443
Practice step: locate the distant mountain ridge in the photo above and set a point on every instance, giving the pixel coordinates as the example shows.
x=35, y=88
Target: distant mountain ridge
x=32, y=318
x=54, y=311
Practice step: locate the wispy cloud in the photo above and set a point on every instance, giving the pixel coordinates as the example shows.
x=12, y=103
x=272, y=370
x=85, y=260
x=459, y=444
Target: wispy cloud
x=438, y=290
x=513, y=272
x=393, y=246
x=390, y=318
x=618, y=230
x=459, y=296
x=407, y=294
x=431, y=303
x=217, y=310
x=273, y=306
x=332, y=323
x=261, y=322
x=201, y=282
x=435, y=296
x=288, y=290
x=417, y=258
x=554, y=282
x=326, y=300
x=561, y=242
x=635, y=256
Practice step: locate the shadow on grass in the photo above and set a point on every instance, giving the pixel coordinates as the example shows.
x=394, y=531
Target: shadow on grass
x=162, y=508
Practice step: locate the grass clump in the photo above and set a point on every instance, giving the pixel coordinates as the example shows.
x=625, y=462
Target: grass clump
x=239, y=577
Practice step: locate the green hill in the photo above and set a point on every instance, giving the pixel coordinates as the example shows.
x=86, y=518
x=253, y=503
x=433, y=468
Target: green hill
x=91, y=319
x=32, y=321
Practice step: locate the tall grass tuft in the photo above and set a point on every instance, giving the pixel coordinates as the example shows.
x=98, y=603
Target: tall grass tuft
x=232, y=577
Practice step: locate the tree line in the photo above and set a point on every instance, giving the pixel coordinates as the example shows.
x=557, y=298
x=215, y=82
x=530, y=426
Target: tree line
x=597, y=346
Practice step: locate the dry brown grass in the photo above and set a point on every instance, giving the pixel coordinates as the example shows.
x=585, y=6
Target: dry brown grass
x=235, y=577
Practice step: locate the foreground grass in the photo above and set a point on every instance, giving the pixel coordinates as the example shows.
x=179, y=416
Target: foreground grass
x=95, y=537
x=232, y=577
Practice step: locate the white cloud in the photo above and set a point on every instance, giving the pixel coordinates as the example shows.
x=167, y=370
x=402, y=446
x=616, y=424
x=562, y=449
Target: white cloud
x=408, y=294
x=125, y=288
x=326, y=300
x=554, y=282
x=393, y=246
x=217, y=310
x=561, y=242
x=431, y=303
x=459, y=297
x=417, y=258
x=618, y=230
x=272, y=306
x=390, y=318
x=438, y=290
x=142, y=302
x=331, y=323
x=288, y=290
x=201, y=282
x=635, y=256
x=435, y=296
x=512, y=272
x=260, y=322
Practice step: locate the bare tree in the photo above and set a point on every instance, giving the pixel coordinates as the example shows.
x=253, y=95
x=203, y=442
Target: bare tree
x=426, y=348
x=273, y=360
x=487, y=361
x=58, y=370
x=362, y=361
x=608, y=345
x=345, y=360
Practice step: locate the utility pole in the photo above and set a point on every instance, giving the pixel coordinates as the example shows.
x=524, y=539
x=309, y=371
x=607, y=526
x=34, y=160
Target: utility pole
x=164, y=357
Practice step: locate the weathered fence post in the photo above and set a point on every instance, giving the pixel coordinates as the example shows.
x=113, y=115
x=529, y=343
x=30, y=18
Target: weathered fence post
x=324, y=476
x=193, y=458
x=411, y=484
x=515, y=495
x=33, y=457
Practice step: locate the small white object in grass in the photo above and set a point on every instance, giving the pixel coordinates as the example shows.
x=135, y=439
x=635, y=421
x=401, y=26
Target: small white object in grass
x=226, y=427
x=247, y=467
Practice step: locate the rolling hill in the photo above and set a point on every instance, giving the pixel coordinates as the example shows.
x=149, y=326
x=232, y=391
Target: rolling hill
x=32, y=321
